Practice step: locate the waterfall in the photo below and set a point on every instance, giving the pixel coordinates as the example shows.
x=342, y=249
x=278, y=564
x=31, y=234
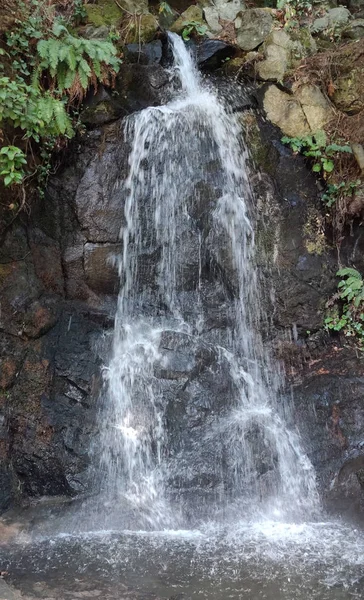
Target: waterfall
x=254, y=460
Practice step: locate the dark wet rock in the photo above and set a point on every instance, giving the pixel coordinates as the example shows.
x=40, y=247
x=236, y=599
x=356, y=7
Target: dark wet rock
x=329, y=412
x=58, y=295
x=144, y=54
x=100, y=267
x=100, y=108
x=139, y=86
x=212, y=53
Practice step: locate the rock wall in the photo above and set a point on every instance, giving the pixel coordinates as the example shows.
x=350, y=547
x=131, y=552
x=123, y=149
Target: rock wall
x=59, y=289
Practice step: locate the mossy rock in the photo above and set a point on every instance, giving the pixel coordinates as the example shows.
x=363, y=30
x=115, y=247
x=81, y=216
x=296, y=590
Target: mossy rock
x=141, y=29
x=193, y=13
x=262, y=154
x=105, y=12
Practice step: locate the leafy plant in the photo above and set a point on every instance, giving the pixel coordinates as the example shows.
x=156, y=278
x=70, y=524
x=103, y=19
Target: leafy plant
x=315, y=147
x=37, y=114
x=336, y=190
x=45, y=71
x=12, y=161
x=192, y=27
x=165, y=9
x=347, y=305
x=74, y=63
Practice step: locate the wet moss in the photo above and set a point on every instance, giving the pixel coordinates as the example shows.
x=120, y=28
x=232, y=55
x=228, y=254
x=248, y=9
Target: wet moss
x=105, y=12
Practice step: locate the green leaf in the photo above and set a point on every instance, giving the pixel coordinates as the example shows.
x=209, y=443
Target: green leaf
x=349, y=271
x=328, y=165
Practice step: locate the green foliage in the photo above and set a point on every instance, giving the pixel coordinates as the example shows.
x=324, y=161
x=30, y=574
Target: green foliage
x=192, y=27
x=165, y=9
x=346, y=308
x=315, y=147
x=293, y=10
x=12, y=160
x=45, y=72
x=335, y=191
x=73, y=62
x=38, y=114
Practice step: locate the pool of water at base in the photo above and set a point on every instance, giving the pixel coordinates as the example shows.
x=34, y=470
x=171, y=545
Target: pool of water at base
x=262, y=560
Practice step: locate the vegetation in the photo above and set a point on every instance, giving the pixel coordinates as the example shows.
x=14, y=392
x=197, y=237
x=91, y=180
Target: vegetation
x=45, y=73
x=316, y=148
x=192, y=28
x=346, y=307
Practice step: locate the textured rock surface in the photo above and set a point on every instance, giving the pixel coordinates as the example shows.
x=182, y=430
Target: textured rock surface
x=193, y=13
x=58, y=295
x=304, y=111
x=252, y=27
x=277, y=53
x=221, y=10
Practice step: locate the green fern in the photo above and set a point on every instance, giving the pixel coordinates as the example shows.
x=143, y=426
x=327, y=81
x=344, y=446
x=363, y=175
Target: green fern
x=70, y=59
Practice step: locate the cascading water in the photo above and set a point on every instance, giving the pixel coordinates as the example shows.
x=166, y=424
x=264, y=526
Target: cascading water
x=195, y=433
x=258, y=462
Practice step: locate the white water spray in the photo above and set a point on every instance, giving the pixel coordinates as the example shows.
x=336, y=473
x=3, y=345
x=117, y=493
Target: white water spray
x=262, y=465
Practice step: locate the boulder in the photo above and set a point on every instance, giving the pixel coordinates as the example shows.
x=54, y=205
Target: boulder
x=252, y=27
x=192, y=14
x=141, y=29
x=285, y=111
x=333, y=21
x=297, y=114
x=316, y=108
x=109, y=12
x=348, y=94
x=145, y=54
x=104, y=13
x=355, y=30
x=277, y=51
x=212, y=53
x=221, y=10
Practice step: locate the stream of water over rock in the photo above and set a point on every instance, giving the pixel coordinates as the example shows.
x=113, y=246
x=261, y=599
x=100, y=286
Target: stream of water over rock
x=167, y=145
x=204, y=488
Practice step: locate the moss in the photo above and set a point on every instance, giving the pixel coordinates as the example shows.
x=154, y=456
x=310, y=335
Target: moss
x=314, y=234
x=5, y=271
x=105, y=12
x=262, y=153
x=141, y=29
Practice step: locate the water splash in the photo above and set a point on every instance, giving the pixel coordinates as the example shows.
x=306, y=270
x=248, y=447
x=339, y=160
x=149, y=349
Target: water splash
x=260, y=461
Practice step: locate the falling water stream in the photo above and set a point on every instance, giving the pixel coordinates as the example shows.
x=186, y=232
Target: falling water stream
x=257, y=530
x=168, y=142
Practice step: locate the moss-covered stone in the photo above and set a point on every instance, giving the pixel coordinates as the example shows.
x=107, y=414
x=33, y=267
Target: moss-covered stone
x=262, y=153
x=105, y=12
x=348, y=95
x=193, y=13
x=141, y=29
x=314, y=232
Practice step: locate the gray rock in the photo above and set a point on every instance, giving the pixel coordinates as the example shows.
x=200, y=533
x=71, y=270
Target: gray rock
x=355, y=30
x=277, y=52
x=220, y=9
x=285, y=111
x=320, y=25
x=339, y=16
x=252, y=28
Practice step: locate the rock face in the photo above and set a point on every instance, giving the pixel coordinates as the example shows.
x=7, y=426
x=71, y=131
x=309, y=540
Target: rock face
x=297, y=114
x=59, y=287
